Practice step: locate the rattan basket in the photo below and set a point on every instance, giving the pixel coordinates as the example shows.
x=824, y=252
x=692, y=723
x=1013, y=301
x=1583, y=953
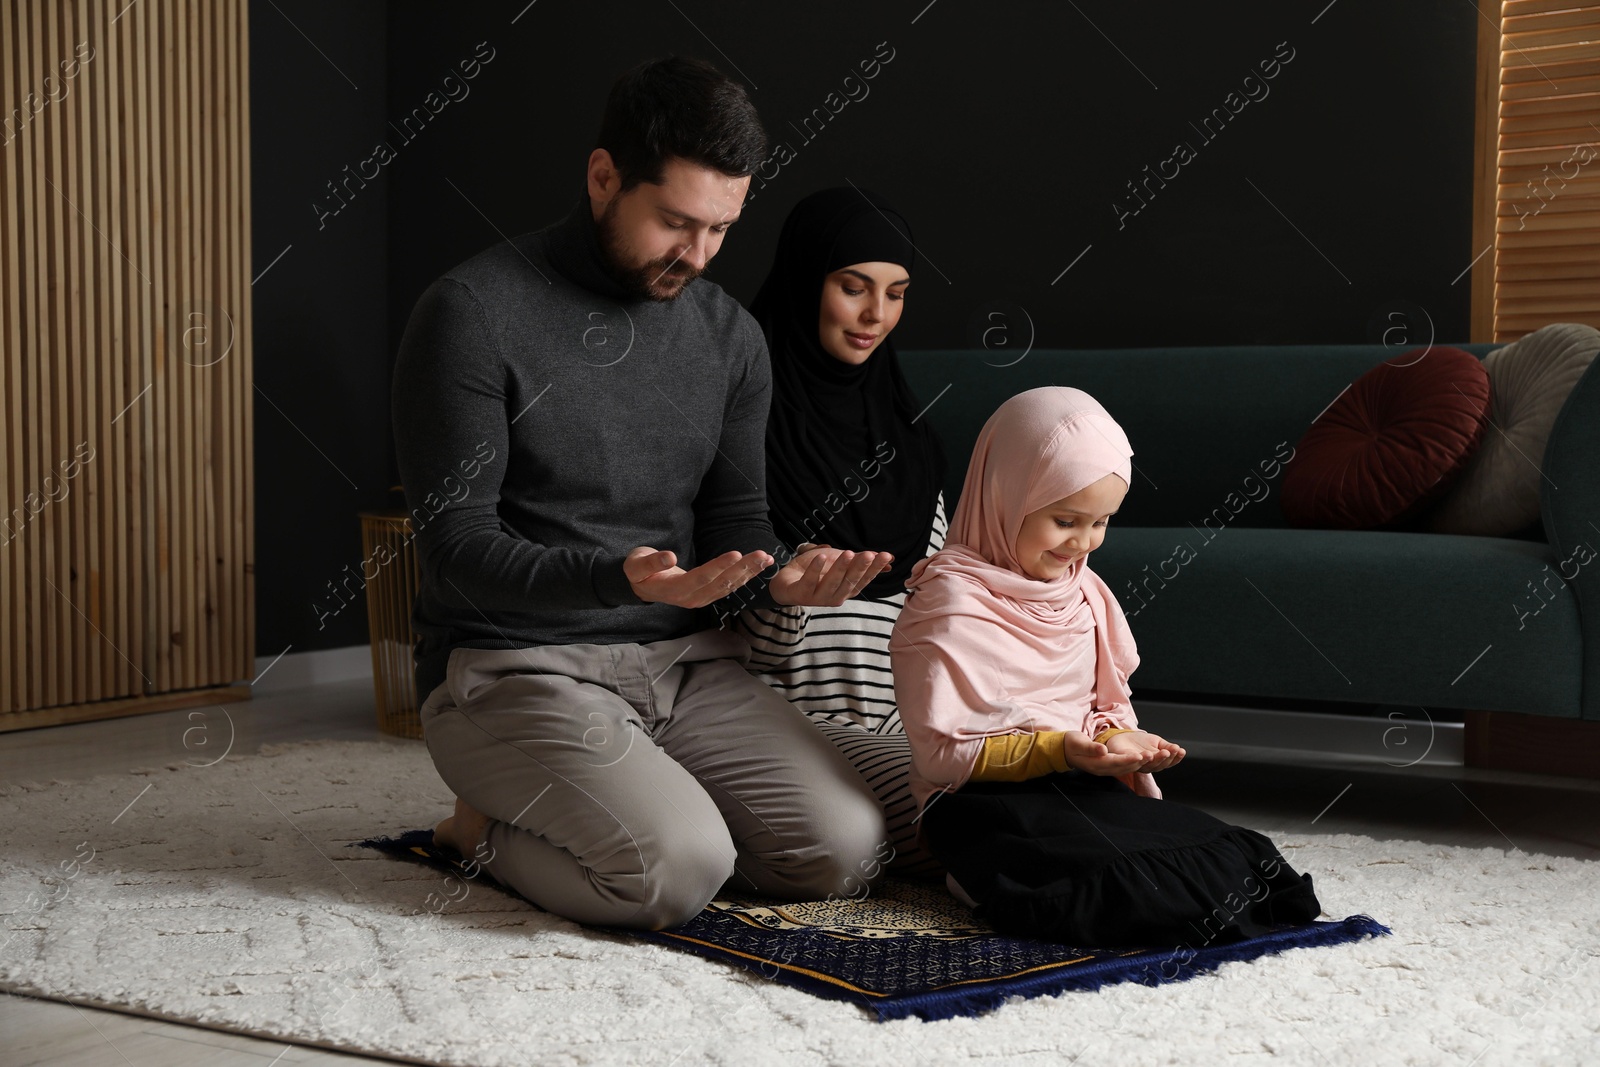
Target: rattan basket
x=390, y=594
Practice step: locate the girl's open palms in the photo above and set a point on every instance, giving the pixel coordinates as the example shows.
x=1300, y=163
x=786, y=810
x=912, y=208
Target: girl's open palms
x=1157, y=754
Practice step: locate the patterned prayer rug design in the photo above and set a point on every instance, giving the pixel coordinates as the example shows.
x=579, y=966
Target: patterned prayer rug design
x=912, y=949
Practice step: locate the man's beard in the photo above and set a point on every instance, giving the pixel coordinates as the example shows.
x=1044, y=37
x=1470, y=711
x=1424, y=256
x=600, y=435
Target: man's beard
x=658, y=279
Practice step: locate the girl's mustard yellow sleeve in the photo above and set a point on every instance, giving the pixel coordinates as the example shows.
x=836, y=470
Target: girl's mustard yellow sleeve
x=1018, y=757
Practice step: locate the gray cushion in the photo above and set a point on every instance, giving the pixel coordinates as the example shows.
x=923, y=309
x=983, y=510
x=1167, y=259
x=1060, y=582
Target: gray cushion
x=1498, y=490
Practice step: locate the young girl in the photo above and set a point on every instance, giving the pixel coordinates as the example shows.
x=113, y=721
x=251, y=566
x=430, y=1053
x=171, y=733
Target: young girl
x=1011, y=661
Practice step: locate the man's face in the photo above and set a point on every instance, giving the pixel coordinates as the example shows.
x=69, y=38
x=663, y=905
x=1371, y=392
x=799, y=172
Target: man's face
x=659, y=238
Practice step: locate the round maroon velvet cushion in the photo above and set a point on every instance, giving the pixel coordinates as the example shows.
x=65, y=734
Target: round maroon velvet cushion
x=1390, y=444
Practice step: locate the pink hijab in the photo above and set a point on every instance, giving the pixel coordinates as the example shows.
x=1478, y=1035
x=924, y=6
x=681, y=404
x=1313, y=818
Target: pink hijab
x=981, y=649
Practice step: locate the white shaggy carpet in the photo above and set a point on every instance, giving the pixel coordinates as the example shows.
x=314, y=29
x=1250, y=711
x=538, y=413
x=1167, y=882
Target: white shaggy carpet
x=224, y=895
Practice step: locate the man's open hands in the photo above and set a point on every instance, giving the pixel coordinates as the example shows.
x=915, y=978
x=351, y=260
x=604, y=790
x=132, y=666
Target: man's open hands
x=818, y=576
x=821, y=576
x=657, y=578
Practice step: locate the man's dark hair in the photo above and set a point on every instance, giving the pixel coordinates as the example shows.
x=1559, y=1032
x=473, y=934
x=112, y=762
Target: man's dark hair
x=683, y=108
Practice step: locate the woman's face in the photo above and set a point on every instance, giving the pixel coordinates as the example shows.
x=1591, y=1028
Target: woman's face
x=861, y=303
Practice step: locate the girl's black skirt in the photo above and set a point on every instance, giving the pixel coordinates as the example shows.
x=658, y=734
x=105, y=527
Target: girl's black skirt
x=1081, y=859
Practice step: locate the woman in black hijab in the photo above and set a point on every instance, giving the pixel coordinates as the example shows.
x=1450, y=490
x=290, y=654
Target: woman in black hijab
x=849, y=464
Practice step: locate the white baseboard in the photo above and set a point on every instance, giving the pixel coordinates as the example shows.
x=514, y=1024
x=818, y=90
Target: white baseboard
x=1300, y=736
x=301, y=670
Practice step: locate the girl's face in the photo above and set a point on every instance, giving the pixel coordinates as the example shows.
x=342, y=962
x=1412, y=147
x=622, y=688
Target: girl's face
x=1055, y=536
x=861, y=303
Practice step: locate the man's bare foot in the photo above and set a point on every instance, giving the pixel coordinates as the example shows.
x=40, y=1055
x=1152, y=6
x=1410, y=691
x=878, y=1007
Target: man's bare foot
x=462, y=831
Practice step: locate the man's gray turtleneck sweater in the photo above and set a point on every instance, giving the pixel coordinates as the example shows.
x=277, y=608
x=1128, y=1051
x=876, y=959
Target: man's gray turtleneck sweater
x=547, y=423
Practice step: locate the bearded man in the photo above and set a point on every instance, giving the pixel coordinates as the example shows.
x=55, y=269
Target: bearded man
x=580, y=419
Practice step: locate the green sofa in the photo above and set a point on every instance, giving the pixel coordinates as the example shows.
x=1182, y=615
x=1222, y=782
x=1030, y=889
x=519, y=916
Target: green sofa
x=1227, y=601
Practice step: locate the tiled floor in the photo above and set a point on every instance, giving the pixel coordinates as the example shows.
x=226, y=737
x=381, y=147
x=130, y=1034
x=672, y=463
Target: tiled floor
x=1448, y=806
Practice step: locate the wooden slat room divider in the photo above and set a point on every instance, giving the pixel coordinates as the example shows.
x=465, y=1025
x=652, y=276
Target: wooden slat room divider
x=126, y=544
x=1537, y=168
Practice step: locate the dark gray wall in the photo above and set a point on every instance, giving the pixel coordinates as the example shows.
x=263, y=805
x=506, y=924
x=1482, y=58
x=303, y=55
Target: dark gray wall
x=1006, y=133
x=1332, y=208
x=318, y=102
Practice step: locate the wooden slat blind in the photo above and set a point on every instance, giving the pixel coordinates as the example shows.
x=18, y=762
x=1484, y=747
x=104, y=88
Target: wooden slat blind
x=1547, y=201
x=125, y=417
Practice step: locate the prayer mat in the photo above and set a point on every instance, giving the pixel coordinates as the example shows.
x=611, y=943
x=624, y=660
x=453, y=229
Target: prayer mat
x=911, y=949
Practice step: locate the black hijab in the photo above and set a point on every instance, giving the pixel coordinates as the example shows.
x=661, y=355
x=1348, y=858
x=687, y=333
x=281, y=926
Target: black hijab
x=831, y=421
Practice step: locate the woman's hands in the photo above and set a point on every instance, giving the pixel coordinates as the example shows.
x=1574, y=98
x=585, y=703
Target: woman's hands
x=826, y=577
x=1158, y=754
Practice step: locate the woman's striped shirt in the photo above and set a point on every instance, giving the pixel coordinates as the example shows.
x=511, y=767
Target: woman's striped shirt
x=833, y=664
